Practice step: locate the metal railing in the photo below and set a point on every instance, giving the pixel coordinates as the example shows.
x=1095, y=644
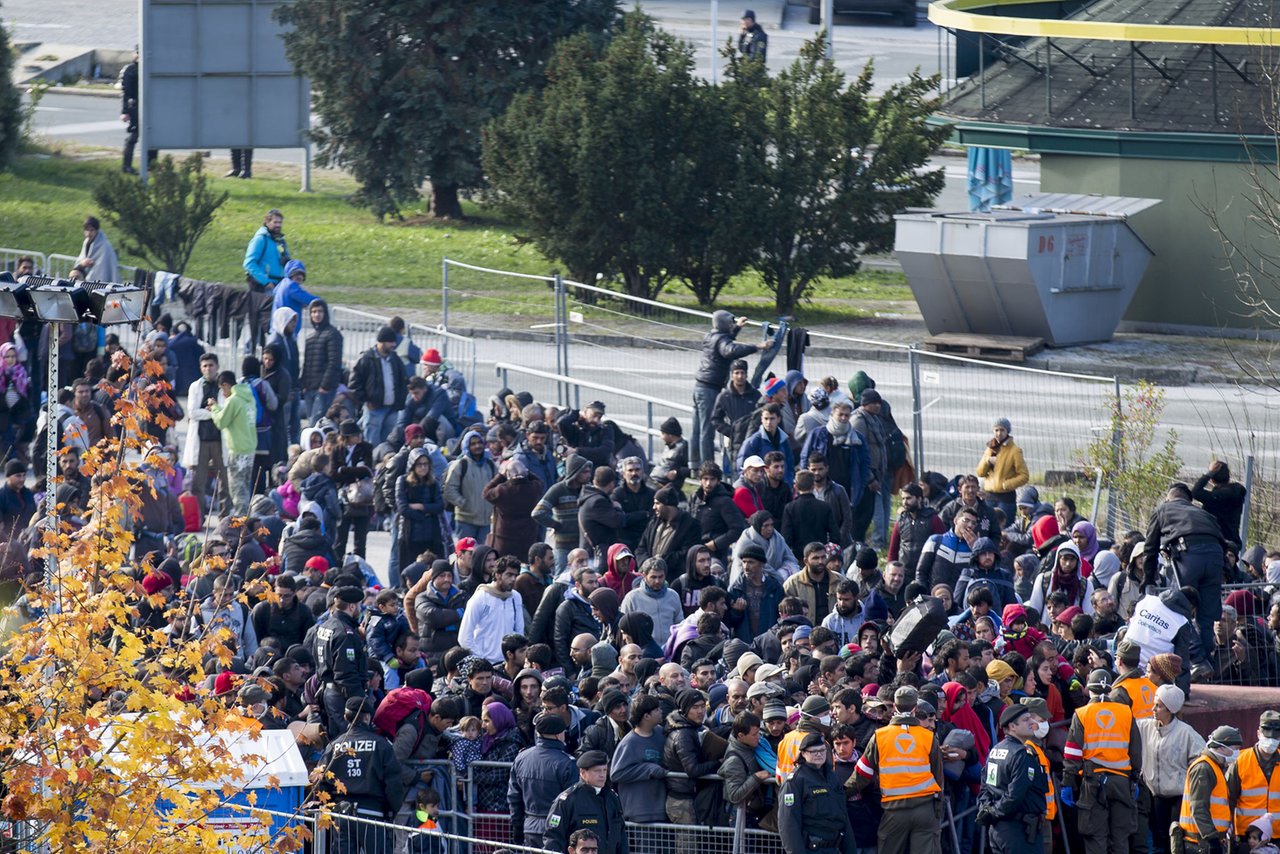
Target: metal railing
x=60, y=266
x=9, y=259
x=505, y=369
x=360, y=331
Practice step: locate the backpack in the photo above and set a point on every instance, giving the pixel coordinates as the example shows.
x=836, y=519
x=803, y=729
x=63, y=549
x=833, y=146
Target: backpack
x=396, y=707
x=84, y=338
x=384, y=488
x=895, y=448
x=263, y=421
x=359, y=493
x=461, y=464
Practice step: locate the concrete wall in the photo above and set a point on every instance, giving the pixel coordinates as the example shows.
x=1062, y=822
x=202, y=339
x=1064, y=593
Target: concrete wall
x=1185, y=284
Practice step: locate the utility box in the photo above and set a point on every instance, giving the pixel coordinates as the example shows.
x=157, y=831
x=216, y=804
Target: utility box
x=1050, y=265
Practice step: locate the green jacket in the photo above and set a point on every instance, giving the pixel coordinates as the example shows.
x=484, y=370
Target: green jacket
x=237, y=418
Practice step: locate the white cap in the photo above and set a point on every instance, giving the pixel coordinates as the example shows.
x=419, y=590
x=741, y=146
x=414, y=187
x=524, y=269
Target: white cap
x=753, y=462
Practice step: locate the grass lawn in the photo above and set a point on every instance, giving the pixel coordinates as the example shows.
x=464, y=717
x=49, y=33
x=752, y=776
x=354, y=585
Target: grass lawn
x=352, y=258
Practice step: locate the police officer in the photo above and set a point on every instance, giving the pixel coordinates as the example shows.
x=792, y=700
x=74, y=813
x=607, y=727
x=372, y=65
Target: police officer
x=1012, y=800
x=342, y=663
x=1253, y=782
x=538, y=776
x=1102, y=761
x=588, y=804
x=812, y=818
x=372, y=784
x=1192, y=538
x=1040, y=714
x=1205, y=821
x=904, y=758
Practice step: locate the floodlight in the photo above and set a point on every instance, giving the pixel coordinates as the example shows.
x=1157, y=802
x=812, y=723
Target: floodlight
x=9, y=291
x=115, y=303
x=65, y=301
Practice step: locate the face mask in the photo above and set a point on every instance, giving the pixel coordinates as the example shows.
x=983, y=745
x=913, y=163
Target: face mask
x=825, y=720
x=1228, y=754
x=1042, y=729
x=1268, y=745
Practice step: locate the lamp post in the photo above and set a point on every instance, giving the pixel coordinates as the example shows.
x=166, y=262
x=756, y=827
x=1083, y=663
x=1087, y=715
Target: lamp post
x=54, y=302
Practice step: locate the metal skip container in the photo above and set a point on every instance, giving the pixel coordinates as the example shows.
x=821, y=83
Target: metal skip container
x=1054, y=266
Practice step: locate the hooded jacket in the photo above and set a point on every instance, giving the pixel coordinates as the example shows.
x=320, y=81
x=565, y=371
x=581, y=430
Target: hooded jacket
x=304, y=544
x=490, y=616
x=291, y=295
x=237, y=417
x=663, y=607
x=719, y=349
x=513, y=500
x=464, y=484
x=622, y=584
x=321, y=489
x=599, y=520
x=779, y=561
x=1040, y=587
x=682, y=753
x=543, y=466
x=558, y=508
x=322, y=362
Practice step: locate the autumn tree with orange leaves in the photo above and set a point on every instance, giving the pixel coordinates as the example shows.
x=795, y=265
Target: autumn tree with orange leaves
x=109, y=739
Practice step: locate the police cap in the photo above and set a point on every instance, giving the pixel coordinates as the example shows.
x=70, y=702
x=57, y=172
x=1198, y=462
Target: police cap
x=356, y=706
x=349, y=595
x=812, y=740
x=592, y=759
x=1011, y=714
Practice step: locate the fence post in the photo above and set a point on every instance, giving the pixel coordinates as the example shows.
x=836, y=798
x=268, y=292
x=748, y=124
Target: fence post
x=562, y=330
x=444, y=304
x=1116, y=438
x=1248, y=501
x=917, y=416
x=740, y=829
x=649, y=424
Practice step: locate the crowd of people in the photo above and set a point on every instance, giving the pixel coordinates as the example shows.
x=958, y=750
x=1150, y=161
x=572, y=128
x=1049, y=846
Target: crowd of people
x=592, y=638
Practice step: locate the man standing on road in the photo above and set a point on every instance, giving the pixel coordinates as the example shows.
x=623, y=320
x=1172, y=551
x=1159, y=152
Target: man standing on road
x=379, y=386
x=752, y=40
x=719, y=350
x=1192, y=538
x=129, y=112
x=267, y=253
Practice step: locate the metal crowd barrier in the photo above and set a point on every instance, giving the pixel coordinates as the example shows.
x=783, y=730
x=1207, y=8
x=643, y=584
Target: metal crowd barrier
x=60, y=266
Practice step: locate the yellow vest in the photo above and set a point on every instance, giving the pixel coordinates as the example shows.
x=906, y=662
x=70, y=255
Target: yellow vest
x=902, y=754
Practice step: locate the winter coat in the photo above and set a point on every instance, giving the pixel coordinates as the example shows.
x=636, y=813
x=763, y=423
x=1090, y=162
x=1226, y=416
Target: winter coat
x=682, y=754
x=779, y=561
x=687, y=534
x=419, y=526
x=464, y=484
x=804, y=589
x=874, y=430
x=599, y=521
x=513, y=500
x=321, y=489
x=731, y=415
x=1167, y=752
x=859, y=472
x=538, y=776
x=942, y=560
x=594, y=443
x=322, y=359
x=542, y=467
x=368, y=384
x=638, y=506
x=673, y=458
x=809, y=519
x=265, y=257
x=760, y=443
x=911, y=532
x=719, y=350
x=439, y=617
x=573, y=618
x=718, y=517
x=1005, y=472
x=739, y=622
x=741, y=786
x=303, y=545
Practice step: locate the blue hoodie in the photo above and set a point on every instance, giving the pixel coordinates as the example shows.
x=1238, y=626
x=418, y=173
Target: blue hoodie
x=290, y=294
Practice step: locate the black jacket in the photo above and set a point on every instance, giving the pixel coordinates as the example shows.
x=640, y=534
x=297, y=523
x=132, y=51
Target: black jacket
x=594, y=444
x=368, y=386
x=811, y=813
x=288, y=627
x=438, y=621
x=538, y=776
x=638, y=506
x=719, y=519
x=731, y=415
x=688, y=534
x=366, y=765
x=719, y=349
x=683, y=754
x=601, y=736
x=1224, y=502
x=599, y=521
x=806, y=520
x=573, y=618
x=580, y=806
x=1174, y=520
x=304, y=545
x=322, y=360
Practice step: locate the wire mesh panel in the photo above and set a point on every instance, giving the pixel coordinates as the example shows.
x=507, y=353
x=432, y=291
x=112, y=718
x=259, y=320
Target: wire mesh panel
x=1054, y=416
x=680, y=839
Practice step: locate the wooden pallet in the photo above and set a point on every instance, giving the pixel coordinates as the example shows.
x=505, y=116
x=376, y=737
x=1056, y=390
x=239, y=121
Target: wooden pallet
x=996, y=348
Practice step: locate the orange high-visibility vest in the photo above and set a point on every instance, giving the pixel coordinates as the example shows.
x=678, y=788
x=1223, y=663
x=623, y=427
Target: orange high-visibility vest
x=1050, y=798
x=788, y=754
x=1142, y=696
x=1258, y=795
x=1219, y=811
x=902, y=753
x=1106, y=736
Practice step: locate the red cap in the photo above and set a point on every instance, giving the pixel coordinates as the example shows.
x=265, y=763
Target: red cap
x=317, y=562
x=225, y=682
x=1067, y=615
x=155, y=582
x=432, y=357
x=465, y=544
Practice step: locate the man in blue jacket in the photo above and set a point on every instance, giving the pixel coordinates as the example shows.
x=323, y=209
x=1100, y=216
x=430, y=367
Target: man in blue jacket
x=291, y=294
x=538, y=776
x=267, y=253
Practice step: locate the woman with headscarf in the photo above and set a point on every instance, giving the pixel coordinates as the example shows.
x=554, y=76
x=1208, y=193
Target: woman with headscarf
x=762, y=531
x=1064, y=574
x=420, y=507
x=15, y=406
x=513, y=492
x=604, y=607
x=1250, y=659
x=501, y=743
x=1085, y=536
x=1005, y=677
x=957, y=711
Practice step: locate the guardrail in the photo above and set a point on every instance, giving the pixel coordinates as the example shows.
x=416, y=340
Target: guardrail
x=9, y=259
x=60, y=266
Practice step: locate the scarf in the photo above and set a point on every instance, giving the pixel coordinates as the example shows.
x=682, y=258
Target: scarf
x=839, y=430
x=1091, y=539
x=767, y=756
x=956, y=710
